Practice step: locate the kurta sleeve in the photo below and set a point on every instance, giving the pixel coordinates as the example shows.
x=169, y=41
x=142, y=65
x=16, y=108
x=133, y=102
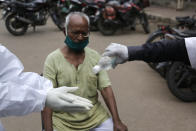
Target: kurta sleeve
x=103, y=80
x=49, y=70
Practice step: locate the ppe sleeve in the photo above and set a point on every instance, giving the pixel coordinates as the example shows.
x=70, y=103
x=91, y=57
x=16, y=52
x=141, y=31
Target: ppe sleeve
x=1, y=127
x=17, y=100
x=191, y=49
x=20, y=92
x=10, y=65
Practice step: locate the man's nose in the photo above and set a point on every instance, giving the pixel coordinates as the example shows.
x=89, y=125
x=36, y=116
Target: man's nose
x=80, y=37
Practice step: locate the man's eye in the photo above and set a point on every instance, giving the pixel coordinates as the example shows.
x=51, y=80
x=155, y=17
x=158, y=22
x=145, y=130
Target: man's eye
x=84, y=33
x=78, y=33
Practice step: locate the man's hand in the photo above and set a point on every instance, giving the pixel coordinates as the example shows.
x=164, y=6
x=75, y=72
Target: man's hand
x=120, y=52
x=119, y=126
x=59, y=99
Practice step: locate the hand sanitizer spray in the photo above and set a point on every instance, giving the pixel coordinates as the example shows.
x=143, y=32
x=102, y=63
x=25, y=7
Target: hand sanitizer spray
x=105, y=63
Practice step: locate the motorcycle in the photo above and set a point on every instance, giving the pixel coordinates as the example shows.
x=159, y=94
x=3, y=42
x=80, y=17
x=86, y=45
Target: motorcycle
x=93, y=11
x=1, y=3
x=116, y=15
x=90, y=8
x=181, y=78
x=186, y=22
x=166, y=32
x=19, y=15
x=60, y=12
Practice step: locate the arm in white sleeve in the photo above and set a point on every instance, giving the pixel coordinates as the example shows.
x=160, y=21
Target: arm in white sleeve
x=17, y=99
x=20, y=93
x=10, y=65
x=1, y=127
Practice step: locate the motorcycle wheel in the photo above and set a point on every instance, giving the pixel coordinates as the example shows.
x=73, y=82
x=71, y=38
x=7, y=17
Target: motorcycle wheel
x=58, y=19
x=14, y=26
x=157, y=36
x=106, y=28
x=144, y=22
x=91, y=12
x=182, y=82
x=93, y=28
x=60, y=24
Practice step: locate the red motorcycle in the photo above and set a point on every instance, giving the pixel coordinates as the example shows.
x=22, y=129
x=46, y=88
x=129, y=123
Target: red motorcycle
x=117, y=15
x=90, y=8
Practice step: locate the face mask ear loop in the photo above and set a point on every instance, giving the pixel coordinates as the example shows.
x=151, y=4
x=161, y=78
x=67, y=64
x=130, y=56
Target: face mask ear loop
x=66, y=31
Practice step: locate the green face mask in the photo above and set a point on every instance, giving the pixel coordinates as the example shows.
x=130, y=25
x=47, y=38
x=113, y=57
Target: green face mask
x=79, y=46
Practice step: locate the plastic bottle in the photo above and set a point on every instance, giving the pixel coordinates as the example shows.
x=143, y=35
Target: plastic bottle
x=105, y=63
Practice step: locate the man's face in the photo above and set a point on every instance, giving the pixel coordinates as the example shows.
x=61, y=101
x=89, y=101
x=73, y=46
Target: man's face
x=78, y=30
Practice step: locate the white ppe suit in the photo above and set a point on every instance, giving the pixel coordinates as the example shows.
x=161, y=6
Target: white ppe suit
x=22, y=93
x=17, y=97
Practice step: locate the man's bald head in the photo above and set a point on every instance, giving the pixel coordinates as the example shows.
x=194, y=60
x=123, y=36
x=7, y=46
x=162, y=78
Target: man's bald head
x=76, y=18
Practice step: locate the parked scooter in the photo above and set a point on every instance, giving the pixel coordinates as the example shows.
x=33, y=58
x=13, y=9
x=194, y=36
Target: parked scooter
x=19, y=15
x=117, y=15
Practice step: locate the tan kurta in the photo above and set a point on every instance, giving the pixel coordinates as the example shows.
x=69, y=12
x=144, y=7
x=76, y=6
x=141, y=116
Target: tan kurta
x=62, y=73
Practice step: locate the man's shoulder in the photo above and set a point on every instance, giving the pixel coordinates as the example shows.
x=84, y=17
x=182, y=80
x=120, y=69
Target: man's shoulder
x=92, y=52
x=54, y=54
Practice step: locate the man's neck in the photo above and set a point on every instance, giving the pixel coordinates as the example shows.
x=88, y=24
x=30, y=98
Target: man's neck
x=73, y=57
x=71, y=51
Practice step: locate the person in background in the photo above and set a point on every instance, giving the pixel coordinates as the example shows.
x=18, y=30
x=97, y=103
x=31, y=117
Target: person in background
x=166, y=50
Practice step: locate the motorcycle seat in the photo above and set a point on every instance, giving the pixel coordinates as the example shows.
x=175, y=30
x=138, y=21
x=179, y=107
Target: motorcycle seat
x=179, y=33
x=24, y=5
x=182, y=18
x=187, y=33
x=190, y=33
x=89, y=2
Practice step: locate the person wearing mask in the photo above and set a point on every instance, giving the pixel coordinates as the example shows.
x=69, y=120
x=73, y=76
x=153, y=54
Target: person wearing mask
x=72, y=66
x=22, y=93
x=183, y=50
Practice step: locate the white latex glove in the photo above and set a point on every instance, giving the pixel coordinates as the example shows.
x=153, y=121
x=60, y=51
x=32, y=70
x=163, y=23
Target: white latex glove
x=59, y=99
x=120, y=52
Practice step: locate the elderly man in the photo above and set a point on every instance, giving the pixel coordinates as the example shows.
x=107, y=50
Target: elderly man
x=72, y=66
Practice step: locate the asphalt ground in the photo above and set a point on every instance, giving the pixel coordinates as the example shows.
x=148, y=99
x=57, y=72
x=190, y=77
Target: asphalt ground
x=143, y=98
